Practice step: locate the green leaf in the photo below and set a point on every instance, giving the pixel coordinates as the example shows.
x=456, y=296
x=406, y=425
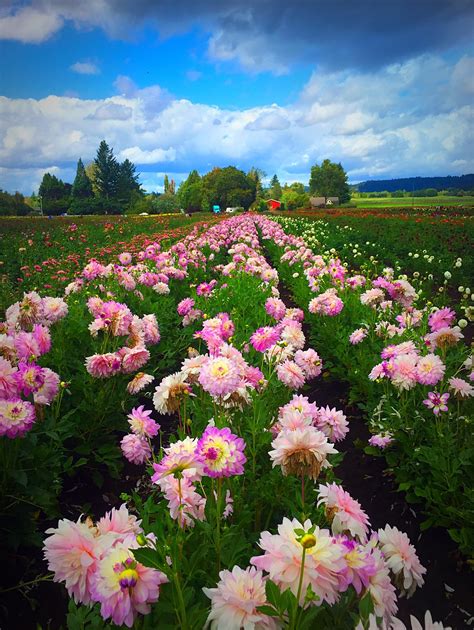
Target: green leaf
x=268, y=610
x=148, y=557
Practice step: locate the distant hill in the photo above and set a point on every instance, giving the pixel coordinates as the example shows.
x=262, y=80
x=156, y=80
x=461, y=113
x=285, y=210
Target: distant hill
x=462, y=182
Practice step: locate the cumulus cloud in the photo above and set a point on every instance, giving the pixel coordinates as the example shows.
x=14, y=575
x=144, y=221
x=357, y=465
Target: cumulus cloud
x=268, y=35
x=112, y=111
x=411, y=118
x=30, y=25
x=85, y=67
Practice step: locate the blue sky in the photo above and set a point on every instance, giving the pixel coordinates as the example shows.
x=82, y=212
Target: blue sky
x=384, y=88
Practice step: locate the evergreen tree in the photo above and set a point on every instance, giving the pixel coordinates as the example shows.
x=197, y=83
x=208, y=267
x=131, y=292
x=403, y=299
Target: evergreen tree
x=166, y=184
x=82, y=186
x=107, y=171
x=275, y=188
x=127, y=182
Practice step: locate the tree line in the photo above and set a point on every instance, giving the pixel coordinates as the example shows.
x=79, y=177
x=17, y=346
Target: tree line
x=106, y=186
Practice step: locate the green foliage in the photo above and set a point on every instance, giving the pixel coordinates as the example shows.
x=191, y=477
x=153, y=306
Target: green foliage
x=329, y=180
x=107, y=171
x=191, y=196
x=82, y=187
x=275, y=190
x=13, y=205
x=229, y=187
x=165, y=204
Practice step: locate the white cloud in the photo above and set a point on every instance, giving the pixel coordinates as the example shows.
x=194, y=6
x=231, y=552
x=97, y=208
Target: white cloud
x=85, y=67
x=408, y=119
x=29, y=25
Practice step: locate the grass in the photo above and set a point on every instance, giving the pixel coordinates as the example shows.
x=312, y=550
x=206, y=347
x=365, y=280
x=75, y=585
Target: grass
x=409, y=202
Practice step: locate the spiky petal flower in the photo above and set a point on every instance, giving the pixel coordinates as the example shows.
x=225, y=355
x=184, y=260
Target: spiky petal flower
x=141, y=423
x=282, y=559
x=125, y=587
x=235, y=600
x=73, y=551
x=290, y=374
x=332, y=423
x=402, y=560
x=16, y=417
x=171, y=392
x=135, y=448
x=343, y=511
x=302, y=452
x=221, y=452
x=219, y=376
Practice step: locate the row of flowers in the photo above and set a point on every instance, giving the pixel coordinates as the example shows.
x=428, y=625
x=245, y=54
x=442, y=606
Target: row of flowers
x=251, y=462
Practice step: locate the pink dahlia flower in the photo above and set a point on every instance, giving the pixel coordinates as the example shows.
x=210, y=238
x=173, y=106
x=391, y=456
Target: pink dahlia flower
x=332, y=423
x=430, y=369
x=360, y=565
x=282, y=559
x=119, y=522
x=404, y=372
x=135, y=448
x=357, y=336
x=16, y=417
x=275, y=308
x=290, y=374
x=141, y=423
x=264, y=338
x=381, y=440
x=401, y=559
x=221, y=452
x=180, y=459
x=73, y=551
x=235, y=600
x=442, y=318
x=309, y=361
x=381, y=588
x=345, y=513
x=461, y=388
x=54, y=309
x=184, y=503
x=29, y=377
x=8, y=383
x=139, y=382
x=301, y=452
x=124, y=587
x=133, y=358
x=42, y=336
x=48, y=391
x=103, y=365
x=219, y=376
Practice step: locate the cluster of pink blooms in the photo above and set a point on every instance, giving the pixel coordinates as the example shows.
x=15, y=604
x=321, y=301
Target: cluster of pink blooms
x=136, y=445
x=405, y=367
x=299, y=413
x=96, y=564
x=116, y=320
x=327, y=303
x=217, y=453
x=24, y=384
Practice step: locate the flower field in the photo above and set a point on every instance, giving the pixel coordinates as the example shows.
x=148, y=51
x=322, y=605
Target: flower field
x=252, y=423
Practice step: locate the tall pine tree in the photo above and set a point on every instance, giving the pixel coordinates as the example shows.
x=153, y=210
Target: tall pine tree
x=127, y=182
x=82, y=186
x=107, y=172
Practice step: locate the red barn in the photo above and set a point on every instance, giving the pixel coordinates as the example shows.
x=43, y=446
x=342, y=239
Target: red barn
x=273, y=204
